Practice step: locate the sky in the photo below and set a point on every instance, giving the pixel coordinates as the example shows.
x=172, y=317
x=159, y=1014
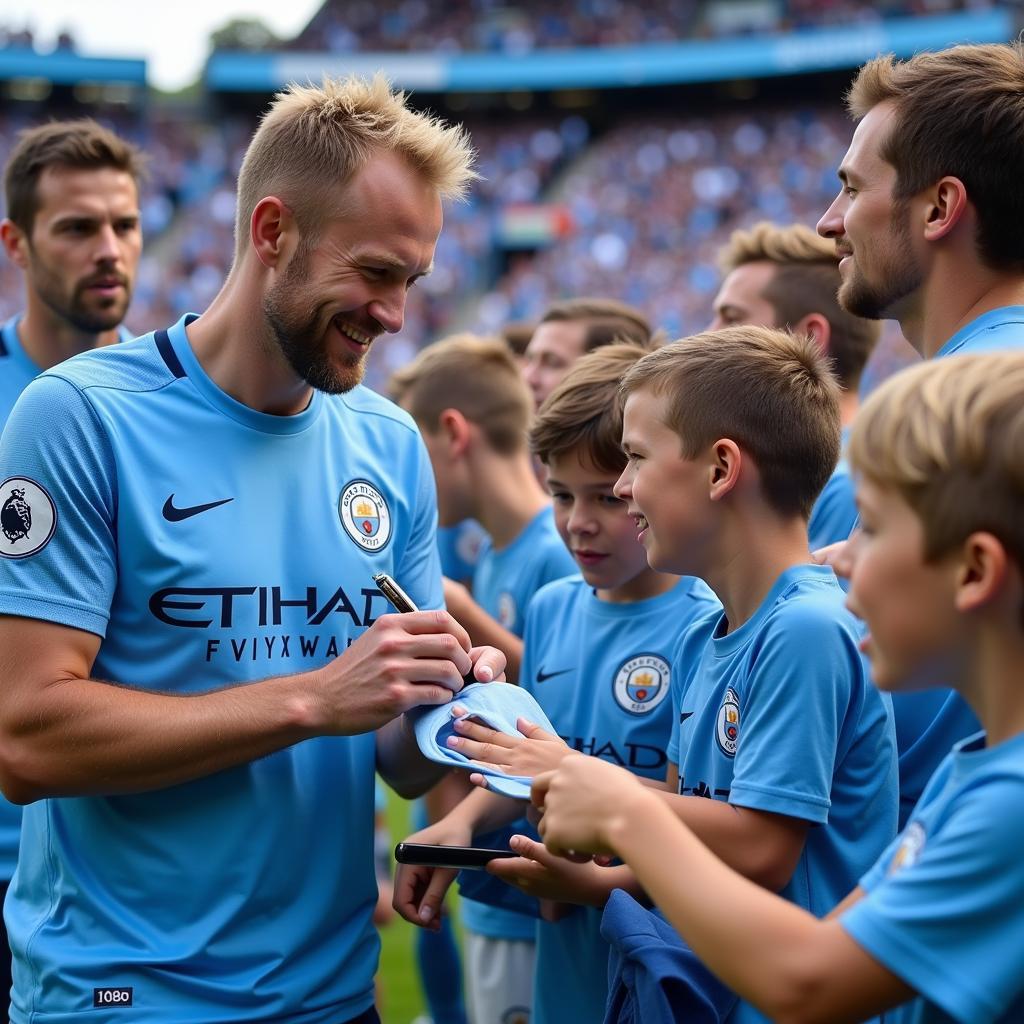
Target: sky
x=170, y=34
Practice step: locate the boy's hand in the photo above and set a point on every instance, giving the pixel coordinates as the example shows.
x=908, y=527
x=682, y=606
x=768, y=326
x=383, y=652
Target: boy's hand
x=538, y=872
x=419, y=889
x=582, y=802
x=530, y=754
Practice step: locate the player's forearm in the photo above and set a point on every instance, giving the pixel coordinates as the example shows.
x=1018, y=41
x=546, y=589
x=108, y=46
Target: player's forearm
x=84, y=736
x=765, y=853
x=400, y=762
x=757, y=943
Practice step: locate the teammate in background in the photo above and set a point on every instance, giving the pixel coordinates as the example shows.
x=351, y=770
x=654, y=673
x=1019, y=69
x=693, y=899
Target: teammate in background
x=927, y=227
x=934, y=930
x=469, y=401
x=473, y=410
x=570, y=329
x=597, y=654
x=788, y=277
x=72, y=228
x=195, y=661
x=517, y=336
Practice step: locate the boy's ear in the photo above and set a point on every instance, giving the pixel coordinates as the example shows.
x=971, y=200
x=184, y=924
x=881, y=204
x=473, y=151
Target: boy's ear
x=455, y=429
x=983, y=573
x=724, y=470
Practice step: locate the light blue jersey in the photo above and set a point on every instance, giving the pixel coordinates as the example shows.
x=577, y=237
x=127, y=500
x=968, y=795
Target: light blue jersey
x=459, y=547
x=944, y=908
x=930, y=722
x=504, y=583
x=834, y=514
x=207, y=544
x=601, y=671
x=780, y=716
x=16, y=370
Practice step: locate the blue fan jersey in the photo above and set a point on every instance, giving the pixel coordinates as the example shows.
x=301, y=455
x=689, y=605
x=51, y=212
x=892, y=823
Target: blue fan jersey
x=834, y=514
x=780, y=716
x=459, y=547
x=601, y=671
x=16, y=370
x=944, y=908
x=207, y=544
x=504, y=583
x=930, y=722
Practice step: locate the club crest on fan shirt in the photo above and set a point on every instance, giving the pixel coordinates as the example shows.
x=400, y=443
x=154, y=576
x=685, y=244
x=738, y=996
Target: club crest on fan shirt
x=641, y=683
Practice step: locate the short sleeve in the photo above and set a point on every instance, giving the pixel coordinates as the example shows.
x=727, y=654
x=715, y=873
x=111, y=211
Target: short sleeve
x=55, y=460
x=792, y=714
x=951, y=924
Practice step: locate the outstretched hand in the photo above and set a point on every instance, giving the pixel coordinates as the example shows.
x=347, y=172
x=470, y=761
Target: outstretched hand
x=532, y=752
x=581, y=802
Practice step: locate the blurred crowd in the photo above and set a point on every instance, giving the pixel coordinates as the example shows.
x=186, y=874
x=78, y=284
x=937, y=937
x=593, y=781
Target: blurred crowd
x=646, y=205
x=453, y=26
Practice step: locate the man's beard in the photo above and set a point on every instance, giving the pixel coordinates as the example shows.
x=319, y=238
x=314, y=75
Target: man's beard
x=300, y=336
x=900, y=277
x=75, y=310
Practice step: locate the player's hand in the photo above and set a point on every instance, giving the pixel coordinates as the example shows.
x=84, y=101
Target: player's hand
x=538, y=872
x=401, y=661
x=581, y=801
x=488, y=664
x=839, y=555
x=419, y=889
x=532, y=752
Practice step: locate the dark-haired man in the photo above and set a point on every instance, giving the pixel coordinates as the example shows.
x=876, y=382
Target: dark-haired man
x=72, y=227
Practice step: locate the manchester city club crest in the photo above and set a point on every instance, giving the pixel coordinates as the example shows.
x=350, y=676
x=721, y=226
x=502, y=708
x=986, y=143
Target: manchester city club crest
x=909, y=851
x=507, y=611
x=727, y=727
x=28, y=517
x=641, y=683
x=365, y=515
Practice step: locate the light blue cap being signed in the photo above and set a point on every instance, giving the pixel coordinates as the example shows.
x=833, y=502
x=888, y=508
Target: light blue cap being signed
x=496, y=705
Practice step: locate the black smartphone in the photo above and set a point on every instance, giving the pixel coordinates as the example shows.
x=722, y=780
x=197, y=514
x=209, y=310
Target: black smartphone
x=448, y=856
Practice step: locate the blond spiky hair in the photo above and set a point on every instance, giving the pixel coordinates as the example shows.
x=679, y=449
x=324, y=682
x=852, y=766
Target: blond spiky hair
x=315, y=137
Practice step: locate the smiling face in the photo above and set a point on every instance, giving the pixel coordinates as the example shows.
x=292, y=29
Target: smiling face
x=665, y=492
x=348, y=286
x=82, y=253
x=915, y=634
x=880, y=270
x=594, y=525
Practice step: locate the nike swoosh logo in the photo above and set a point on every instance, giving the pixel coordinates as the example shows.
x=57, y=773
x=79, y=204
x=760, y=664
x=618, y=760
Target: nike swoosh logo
x=543, y=677
x=176, y=515
x=684, y=715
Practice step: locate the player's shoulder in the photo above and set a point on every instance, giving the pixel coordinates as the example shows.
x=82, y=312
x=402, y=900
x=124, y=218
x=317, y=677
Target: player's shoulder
x=376, y=412
x=137, y=365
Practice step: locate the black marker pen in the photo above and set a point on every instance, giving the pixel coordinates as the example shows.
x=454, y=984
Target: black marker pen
x=402, y=602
